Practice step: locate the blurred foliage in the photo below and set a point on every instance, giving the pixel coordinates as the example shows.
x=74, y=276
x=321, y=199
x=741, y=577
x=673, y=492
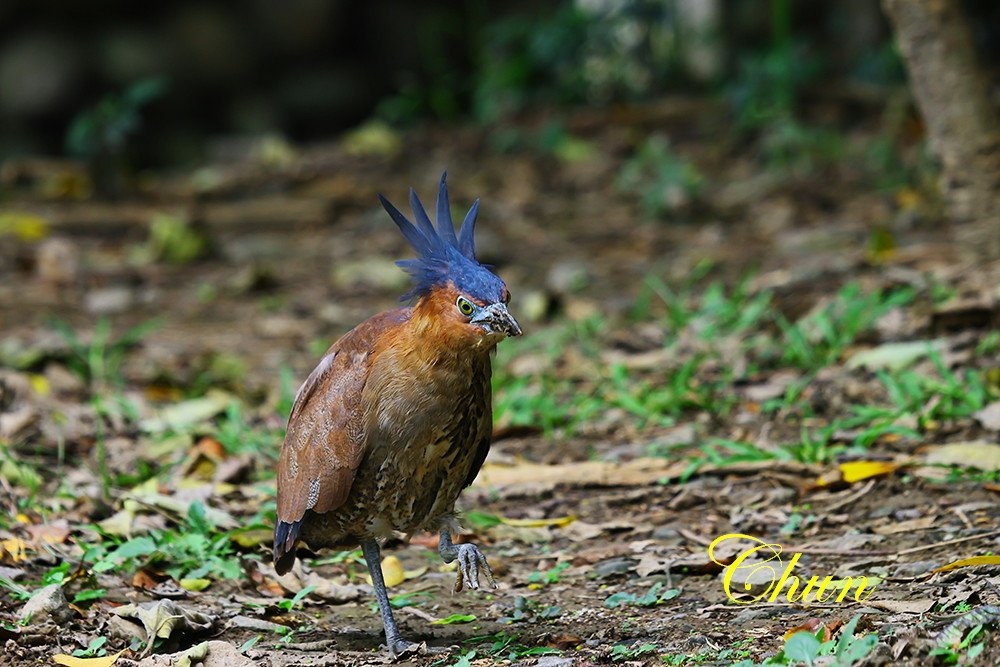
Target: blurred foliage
x=586, y=52
x=767, y=93
x=526, y=59
x=100, y=134
x=767, y=87
x=551, y=139
x=173, y=239
x=600, y=52
x=663, y=181
x=105, y=127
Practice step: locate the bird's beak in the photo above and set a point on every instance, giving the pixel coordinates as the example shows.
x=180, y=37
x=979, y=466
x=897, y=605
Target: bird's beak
x=495, y=318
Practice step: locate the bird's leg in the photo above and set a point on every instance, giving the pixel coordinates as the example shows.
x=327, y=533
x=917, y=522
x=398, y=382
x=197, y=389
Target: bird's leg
x=470, y=562
x=393, y=641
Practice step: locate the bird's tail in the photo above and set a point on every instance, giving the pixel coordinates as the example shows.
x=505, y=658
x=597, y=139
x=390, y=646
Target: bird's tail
x=285, y=536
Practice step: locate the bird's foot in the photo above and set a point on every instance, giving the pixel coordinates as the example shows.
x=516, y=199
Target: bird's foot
x=400, y=648
x=471, y=562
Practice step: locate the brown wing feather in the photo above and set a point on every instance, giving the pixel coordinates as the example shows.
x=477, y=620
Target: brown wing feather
x=325, y=441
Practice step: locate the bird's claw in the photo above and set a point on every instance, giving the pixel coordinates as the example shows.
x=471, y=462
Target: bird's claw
x=471, y=562
x=400, y=648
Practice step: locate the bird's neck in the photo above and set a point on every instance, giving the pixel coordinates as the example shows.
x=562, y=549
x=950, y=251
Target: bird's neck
x=436, y=334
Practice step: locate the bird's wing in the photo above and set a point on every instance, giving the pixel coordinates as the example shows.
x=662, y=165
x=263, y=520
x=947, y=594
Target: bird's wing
x=325, y=442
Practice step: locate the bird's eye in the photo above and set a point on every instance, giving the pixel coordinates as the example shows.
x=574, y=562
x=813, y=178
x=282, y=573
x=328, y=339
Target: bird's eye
x=465, y=306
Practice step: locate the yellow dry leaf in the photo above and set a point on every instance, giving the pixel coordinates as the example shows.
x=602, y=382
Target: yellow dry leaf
x=194, y=584
x=248, y=538
x=392, y=571
x=40, y=384
x=855, y=471
x=71, y=661
x=558, y=522
x=225, y=488
x=969, y=562
x=14, y=549
x=908, y=198
x=24, y=226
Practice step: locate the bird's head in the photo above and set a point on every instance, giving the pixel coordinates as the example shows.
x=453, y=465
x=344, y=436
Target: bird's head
x=447, y=277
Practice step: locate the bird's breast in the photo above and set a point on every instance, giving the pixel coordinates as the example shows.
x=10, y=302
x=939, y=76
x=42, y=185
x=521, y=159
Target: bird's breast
x=424, y=428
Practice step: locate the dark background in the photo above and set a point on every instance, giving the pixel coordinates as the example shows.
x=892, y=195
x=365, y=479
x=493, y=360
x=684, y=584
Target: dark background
x=307, y=69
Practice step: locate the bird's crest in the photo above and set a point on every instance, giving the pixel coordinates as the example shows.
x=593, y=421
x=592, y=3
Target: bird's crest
x=443, y=256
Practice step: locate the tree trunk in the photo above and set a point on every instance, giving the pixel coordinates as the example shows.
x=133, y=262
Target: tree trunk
x=952, y=94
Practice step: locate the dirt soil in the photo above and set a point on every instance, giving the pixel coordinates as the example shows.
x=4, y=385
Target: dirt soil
x=297, y=252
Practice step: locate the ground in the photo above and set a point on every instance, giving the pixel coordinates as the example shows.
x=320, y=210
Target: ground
x=803, y=353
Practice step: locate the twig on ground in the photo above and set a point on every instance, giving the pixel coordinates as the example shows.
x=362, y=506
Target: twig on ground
x=946, y=543
x=851, y=497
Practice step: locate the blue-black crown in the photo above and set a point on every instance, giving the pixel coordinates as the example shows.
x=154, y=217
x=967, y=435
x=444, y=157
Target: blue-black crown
x=443, y=257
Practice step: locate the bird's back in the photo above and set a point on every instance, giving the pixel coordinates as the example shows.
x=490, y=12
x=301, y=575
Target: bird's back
x=324, y=442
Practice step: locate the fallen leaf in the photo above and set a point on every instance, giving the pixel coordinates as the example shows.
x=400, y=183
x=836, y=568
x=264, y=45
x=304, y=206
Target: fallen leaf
x=855, y=471
x=565, y=642
x=979, y=455
x=178, y=416
x=989, y=417
x=147, y=579
x=813, y=625
x=213, y=653
x=23, y=226
x=218, y=518
x=161, y=393
x=592, y=555
x=162, y=617
x=40, y=384
x=651, y=564
x=263, y=583
x=13, y=550
x=969, y=562
x=895, y=356
x=49, y=533
x=920, y=523
x=584, y=473
x=203, y=459
x=392, y=572
x=119, y=523
x=454, y=618
x=535, y=477
x=331, y=591
x=581, y=531
x=539, y=523
x=71, y=661
x=195, y=584
x=252, y=537
x=374, y=137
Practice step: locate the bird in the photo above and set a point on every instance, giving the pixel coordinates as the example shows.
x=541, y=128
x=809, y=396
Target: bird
x=396, y=418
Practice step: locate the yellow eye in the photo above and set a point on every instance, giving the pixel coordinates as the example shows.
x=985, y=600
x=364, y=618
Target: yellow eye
x=465, y=306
